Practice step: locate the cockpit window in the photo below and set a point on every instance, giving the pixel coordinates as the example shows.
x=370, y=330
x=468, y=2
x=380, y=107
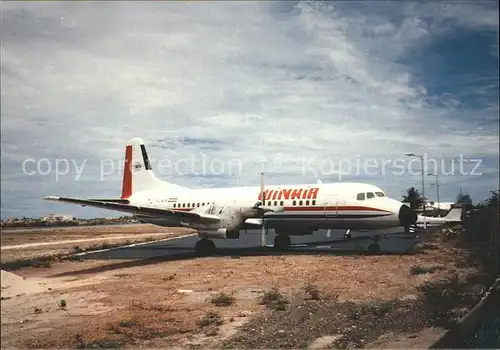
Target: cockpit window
x=380, y=194
x=370, y=195
x=360, y=197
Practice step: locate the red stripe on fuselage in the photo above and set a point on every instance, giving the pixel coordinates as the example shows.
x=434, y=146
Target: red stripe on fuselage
x=345, y=208
x=316, y=208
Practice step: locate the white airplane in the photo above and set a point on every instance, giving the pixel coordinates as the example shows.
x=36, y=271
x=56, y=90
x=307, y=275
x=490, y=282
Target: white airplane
x=433, y=205
x=454, y=215
x=221, y=213
x=442, y=205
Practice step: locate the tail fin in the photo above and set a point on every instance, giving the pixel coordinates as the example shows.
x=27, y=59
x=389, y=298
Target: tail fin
x=137, y=173
x=454, y=214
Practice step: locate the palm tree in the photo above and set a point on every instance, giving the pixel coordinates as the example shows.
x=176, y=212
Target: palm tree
x=413, y=197
x=493, y=201
x=465, y=199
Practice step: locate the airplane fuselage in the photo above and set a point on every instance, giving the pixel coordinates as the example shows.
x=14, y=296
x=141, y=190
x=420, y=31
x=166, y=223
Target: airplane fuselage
x=305, y=207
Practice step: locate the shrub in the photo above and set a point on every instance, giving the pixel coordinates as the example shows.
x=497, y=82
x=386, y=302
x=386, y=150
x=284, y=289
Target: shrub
x=313, y=291
x=419, y=270
x=210, y=318
x=274, y=299
x=222, y=299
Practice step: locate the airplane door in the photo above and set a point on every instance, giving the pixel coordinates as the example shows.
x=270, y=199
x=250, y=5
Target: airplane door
x=331, y=209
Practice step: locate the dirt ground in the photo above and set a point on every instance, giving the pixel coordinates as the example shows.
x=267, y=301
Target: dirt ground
x=20, y=244
x=286, y=301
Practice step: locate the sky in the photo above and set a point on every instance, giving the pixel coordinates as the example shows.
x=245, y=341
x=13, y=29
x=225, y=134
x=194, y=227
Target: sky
x=220, y=91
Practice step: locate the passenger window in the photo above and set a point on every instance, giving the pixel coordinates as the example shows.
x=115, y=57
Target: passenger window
x=300, y=202
x=313, y=202
x=370, y=195
x=360, y=197
x=174, y=205
x=269, y=203
x=294, y=203
x=307, y=202
x=275, y=203
x=198, y=205
x=183, y=205
x=380, y=194
x=281, y=203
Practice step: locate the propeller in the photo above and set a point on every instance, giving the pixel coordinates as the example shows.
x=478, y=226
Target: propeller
x=328, y=233
x=412, y=229
x=262, y=191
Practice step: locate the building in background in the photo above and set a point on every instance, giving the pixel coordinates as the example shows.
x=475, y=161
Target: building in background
x=53, y=217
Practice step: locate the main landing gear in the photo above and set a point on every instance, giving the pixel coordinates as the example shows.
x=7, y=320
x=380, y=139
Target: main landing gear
x=281, y=242
x=204, y=247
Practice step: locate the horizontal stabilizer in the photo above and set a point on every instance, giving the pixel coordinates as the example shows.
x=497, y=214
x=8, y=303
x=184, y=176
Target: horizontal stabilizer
x=454, y=214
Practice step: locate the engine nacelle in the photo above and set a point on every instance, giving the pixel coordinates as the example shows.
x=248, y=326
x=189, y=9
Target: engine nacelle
x=232, y=220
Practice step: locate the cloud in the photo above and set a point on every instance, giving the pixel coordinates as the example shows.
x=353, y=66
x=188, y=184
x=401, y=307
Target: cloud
x=240, y=83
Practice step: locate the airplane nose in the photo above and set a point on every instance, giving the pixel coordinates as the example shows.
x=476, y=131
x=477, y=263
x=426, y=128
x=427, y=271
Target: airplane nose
x=407, y=216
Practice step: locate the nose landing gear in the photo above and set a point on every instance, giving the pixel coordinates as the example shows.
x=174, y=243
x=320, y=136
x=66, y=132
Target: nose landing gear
x=347, y=235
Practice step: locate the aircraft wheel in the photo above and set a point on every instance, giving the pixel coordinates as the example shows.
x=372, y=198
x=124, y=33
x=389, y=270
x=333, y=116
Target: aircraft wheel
x=204, y=247
x=374, y=248
x=282, y=242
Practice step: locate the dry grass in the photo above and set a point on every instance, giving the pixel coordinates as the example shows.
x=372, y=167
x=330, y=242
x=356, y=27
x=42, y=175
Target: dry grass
x=34, y=235
x=222, y=299
x=210, y=318
x=106, y=238
x=274, y=299
x=419, y=270
x=313, y=291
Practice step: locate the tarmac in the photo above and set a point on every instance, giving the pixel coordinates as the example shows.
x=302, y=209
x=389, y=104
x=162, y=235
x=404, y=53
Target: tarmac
x=249, y=244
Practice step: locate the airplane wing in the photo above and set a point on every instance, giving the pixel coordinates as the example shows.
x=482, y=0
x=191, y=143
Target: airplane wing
x=253, y=223
x=133, y=209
